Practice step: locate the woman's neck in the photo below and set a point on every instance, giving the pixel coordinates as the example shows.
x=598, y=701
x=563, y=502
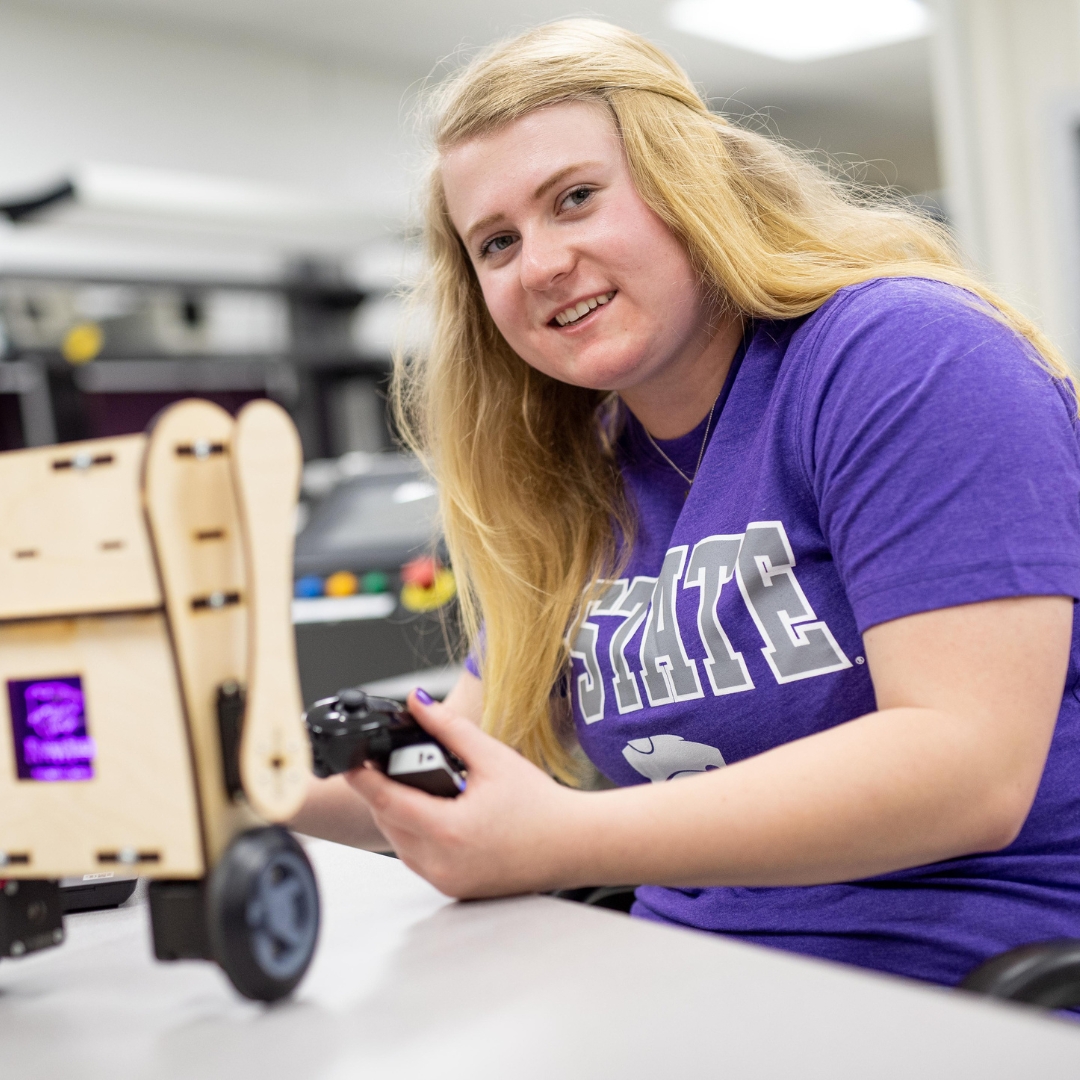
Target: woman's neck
x=677, y=400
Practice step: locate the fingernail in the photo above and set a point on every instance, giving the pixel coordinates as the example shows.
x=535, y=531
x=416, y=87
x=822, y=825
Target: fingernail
x=424, y=697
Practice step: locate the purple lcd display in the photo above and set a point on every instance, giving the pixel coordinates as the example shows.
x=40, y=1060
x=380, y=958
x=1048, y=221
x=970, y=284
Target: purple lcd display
x=48, y=722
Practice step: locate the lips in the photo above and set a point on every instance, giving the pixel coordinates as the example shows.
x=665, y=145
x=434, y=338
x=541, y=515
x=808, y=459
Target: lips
x=574, y=312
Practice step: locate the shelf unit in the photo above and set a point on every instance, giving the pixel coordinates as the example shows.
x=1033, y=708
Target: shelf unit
x=51, y=400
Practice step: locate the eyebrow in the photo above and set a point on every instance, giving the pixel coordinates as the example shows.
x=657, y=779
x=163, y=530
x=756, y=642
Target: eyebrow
x=552, y=180
x=538, y=194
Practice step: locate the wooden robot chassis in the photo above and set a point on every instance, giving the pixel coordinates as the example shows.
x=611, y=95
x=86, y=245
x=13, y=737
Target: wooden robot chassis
x=148, y=579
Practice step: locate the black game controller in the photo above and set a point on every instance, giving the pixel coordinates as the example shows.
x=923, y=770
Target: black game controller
x=352, y=727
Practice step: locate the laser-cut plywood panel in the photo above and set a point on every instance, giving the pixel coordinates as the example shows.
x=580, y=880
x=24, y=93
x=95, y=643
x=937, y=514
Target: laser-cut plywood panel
x=73, y=539
x=141, y=796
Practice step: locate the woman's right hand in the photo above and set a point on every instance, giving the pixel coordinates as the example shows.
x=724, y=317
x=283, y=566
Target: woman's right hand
x=335, y=811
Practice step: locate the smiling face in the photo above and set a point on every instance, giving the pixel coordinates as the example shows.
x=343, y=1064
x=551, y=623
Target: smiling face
x=586, y=283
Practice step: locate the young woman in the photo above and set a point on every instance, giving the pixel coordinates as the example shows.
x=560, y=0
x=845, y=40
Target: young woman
x=751, y=487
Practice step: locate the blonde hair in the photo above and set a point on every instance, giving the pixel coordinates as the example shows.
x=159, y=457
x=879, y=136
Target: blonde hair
x=529, y=484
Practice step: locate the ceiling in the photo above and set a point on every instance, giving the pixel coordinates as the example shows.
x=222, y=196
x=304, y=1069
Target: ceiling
x=409, y=36
x=873, y=105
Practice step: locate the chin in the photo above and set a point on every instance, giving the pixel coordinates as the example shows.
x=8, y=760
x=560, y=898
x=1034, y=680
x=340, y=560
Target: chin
x=605, y=376
x=589, y=381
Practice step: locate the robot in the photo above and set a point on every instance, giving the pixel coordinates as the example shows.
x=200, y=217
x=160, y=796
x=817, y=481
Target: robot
x=150, y=711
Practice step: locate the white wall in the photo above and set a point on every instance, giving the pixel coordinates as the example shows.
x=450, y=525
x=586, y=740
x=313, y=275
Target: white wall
x=1007, y=73
x=75, y=89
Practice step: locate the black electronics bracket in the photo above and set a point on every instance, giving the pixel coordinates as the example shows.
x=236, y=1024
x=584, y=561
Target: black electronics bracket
x=30, y=916
x=230, y=713
x=178, y=919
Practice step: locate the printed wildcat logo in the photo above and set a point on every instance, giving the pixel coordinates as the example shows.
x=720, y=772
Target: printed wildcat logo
x=53, y=709
x=51, y=741
x=663, y=757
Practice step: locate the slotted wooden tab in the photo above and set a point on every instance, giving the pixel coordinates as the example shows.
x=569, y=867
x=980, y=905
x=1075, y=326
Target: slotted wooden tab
x=275, y=755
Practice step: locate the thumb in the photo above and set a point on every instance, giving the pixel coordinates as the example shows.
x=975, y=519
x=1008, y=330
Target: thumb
x=458, y=734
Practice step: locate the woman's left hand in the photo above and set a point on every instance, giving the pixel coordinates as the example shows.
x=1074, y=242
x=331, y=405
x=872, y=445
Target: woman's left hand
x=510, y=831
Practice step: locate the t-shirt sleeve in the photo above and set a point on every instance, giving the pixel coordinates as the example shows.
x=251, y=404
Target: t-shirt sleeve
x=943, y=459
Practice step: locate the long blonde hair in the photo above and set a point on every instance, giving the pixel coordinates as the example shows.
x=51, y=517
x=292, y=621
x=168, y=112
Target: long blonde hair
x=525, y=465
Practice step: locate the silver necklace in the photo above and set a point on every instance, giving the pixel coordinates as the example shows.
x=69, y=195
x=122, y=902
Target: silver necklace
x=701, y=453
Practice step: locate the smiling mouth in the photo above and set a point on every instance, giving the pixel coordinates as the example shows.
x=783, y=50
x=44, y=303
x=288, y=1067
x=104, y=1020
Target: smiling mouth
x=580, y=311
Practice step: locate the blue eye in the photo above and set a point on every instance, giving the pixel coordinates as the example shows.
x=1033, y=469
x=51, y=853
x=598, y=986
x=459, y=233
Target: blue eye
x=496, y=244
x=578, y=197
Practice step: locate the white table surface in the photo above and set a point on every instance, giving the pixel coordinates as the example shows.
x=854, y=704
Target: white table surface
x=407, y=984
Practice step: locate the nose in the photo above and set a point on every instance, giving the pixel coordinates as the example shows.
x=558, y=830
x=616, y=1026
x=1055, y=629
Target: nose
x=545, y=258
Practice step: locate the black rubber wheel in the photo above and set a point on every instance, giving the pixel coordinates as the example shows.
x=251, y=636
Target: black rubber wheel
x=263, y=913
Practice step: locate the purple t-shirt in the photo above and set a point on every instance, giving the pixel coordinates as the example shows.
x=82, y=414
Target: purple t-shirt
x=896, y=451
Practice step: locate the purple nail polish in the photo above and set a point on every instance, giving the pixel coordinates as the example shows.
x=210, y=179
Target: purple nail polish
x=424, y=697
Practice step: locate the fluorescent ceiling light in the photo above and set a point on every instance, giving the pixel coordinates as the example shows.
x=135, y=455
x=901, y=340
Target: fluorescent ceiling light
x=799, y=30
x=157, y=209
x=138, y=190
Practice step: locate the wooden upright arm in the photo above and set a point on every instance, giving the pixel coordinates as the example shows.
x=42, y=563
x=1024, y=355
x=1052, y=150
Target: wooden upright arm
x=275, y=755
